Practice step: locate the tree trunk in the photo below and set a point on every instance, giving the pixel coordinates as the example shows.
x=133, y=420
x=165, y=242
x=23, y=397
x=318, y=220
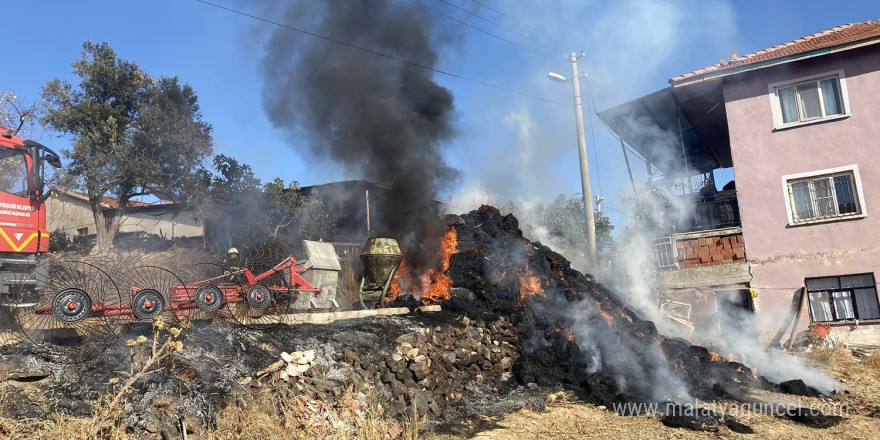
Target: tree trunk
x=106, y=226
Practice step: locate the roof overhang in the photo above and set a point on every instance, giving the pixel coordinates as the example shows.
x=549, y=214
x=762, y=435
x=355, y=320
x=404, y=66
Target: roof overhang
x=680, y=131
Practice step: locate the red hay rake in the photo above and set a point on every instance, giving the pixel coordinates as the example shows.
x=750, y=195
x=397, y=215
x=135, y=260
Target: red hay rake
x=72, y=310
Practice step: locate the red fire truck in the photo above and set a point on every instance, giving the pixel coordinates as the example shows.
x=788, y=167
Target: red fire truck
x=23, y=235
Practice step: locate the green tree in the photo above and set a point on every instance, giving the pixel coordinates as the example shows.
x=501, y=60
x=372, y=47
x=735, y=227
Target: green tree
x=282, y=203
x=565, y=219
x=301, y=216
x=231, y=199
x=129, y=132
x=247, y=212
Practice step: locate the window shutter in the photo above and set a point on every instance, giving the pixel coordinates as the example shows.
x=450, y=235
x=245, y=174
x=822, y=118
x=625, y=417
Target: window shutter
x=866, y=301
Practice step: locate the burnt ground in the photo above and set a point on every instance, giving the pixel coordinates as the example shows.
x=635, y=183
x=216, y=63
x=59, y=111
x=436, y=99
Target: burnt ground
x=521, y=323
x=208, y=372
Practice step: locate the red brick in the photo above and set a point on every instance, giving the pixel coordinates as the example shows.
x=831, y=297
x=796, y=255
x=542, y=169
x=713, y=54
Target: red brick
x=739, y=245
x=712, y=248
x=739, y=252
x=717, y=257
x=705, y=258
x=714, y=263
x=727, y=254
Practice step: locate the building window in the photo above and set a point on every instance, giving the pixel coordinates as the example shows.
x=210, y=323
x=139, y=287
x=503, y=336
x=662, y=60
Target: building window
x=824, y=195
x=82, y=231
x=809, y=99
x=664, y=251
x=843, y=298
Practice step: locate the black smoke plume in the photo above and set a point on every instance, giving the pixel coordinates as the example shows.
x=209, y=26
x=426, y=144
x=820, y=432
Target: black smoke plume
x=381, y=119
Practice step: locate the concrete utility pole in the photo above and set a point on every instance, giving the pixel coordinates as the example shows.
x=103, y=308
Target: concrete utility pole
x=582, y=153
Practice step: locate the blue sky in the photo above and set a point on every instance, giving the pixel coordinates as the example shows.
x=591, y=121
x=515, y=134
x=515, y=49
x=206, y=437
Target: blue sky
x=508, y=146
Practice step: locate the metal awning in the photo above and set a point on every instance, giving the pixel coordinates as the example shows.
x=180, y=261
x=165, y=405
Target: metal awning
x=680, y=131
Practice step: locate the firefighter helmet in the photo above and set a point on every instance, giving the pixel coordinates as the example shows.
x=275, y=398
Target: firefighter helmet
x=232, y=251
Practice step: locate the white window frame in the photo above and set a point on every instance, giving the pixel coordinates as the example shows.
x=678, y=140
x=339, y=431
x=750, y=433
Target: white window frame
x=795, y=178
x=849, y=304
x=777, y=111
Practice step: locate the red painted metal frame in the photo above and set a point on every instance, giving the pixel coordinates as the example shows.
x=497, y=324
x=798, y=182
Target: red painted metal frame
x=181, y=297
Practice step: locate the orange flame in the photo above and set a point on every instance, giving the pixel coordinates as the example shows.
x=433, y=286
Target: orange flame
x=607, y=316
x=568, y=336
x=431, y=286
x=438, y=283
x=394, y=288
x=715, y=357
x=529, y=284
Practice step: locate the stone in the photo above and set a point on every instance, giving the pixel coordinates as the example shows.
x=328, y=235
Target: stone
x=286, y=357
x=409, y=338
x=295, y=370
x=350, y=356
x=403, y=348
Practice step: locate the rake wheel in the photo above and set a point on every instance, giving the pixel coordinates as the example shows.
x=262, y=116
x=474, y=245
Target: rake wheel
x=265, y=298
x=209, y=298
x=147, y=304
x=67, y=310
x=155, y=291
x=213, y=287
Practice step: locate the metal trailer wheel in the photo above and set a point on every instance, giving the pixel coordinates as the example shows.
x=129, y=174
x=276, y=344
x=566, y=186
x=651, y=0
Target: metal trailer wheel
x=68, y=313
x=154, y=291
x=213, y=287
x=147, y=304
x=209, y=298
x=266, y=298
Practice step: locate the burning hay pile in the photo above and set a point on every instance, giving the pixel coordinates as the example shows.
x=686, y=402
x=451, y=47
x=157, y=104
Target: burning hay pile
x=575, y=333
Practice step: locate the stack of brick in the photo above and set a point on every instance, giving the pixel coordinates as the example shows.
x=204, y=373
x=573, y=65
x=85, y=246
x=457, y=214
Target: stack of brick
x=710, y=251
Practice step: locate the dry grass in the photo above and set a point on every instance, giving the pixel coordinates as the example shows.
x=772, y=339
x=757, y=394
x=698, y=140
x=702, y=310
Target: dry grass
x=146, y=358
x=274, y=413
x=840, y=363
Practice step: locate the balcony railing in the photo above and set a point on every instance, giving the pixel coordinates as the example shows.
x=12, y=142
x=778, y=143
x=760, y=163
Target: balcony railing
x=717, y=212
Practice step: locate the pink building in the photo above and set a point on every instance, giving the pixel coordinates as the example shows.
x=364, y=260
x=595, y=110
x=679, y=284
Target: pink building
x=795, y=239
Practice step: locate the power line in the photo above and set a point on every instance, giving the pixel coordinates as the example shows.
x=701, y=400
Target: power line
x=509, y=17
x=595, y=152
x=481, y=30
x=380, y=54
x=484, y=19
x=619, y=212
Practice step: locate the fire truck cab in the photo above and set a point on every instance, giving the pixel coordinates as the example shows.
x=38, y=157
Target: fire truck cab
x=23, y=235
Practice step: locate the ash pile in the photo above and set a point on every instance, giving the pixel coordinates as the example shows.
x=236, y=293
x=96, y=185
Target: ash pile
x=519, y=323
